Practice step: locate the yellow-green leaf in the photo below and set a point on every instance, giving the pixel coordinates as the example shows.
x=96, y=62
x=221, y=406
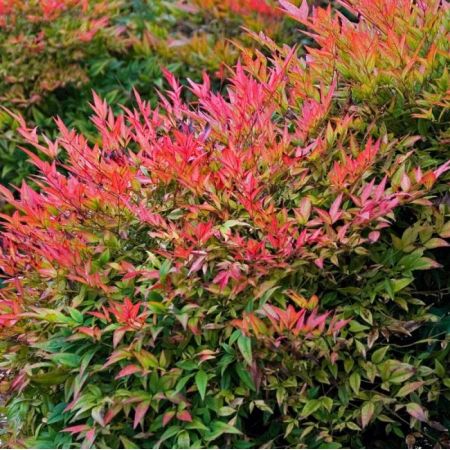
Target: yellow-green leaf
x=355, y=382
x=409, y=387
x=367, y=413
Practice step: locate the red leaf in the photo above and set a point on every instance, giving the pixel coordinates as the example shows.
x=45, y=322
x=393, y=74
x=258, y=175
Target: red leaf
x=140, y=412
x=93, y=332
x=184, y=416
x=20, y=382
x=110, y=414
x=116, y=357
x=128, y=370
x=76, y=429
x=319, y=263
x=168, y=416
x=118, y=336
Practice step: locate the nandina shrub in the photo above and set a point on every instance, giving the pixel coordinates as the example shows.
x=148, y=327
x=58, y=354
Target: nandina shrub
x=244, y=270
x=54, y=53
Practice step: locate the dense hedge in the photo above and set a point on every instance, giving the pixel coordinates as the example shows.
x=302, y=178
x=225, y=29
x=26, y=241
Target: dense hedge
x=261, y=267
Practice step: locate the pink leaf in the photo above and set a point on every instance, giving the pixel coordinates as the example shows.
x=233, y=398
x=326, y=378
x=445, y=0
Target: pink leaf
x=416, y=411
x=90, y=436
x=374, y=236
x=184, y=416
x=76, y=429
x=128, y=370
x=334, y=210
x=140, y=412
x=111, y=414
x=118, y=336
x=300, y=14
x=168, y=416
x=319, y=263
x=405, y=183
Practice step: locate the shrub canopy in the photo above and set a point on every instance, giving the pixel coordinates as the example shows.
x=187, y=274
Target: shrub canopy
x=245, y=269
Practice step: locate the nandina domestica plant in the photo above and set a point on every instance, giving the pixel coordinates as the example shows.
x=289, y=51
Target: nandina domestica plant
x=54, y=53
x=244, y=270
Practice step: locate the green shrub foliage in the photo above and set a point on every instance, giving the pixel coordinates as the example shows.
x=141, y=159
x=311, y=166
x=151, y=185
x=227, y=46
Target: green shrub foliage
x=264, y=267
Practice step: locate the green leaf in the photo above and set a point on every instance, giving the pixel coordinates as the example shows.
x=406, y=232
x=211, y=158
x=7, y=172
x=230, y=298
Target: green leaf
x=165, y=269
x=66, y=359
x=378, y=355
x=416, y=262
x=184, y=440
x=226, y=411
x=76, y=315
x=245, y=377
x=330, y=445
x=218, y=428
x=104, y=257
x=226, y=227
x=445, y=231
x=327, y=402
x=436, y=243
x=196, y=424
x=201, y=380
x=234, y=336
x=398, y=285
x=310, y=407
x=426, y=263
x=355, y=382
x=439, y=369
x=353, y=426
x=356, y=327
x=245, y=347
x=50, y=378
x=263, y=406
x=367, y=316
x=147, y=359
x=56, y=414
x=182, y=382
x=348, y=364
x=400, y=372
x=127, y=443
x=170, y=432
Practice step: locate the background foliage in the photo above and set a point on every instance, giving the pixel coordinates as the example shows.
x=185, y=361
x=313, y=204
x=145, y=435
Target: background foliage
x=262, y=265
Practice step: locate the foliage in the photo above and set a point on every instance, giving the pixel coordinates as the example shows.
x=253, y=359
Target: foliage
x=44, y=46
x=54, y=53
x=245, y=269
x=56, y=35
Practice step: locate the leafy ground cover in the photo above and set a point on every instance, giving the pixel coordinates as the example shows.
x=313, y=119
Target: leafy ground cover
x=259, y=265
